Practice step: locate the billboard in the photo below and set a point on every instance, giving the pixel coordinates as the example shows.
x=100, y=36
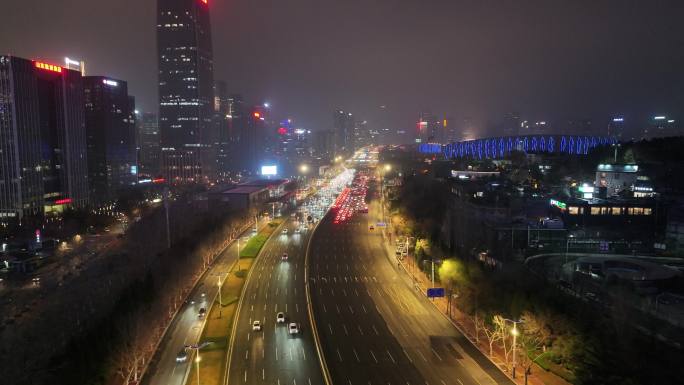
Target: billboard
x=269, y=170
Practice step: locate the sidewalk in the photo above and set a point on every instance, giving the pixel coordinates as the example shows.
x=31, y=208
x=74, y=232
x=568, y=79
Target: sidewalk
x=463, y=323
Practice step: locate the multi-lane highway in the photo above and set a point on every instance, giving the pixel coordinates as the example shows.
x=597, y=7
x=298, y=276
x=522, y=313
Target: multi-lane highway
x=272, y=355
x=374, y=327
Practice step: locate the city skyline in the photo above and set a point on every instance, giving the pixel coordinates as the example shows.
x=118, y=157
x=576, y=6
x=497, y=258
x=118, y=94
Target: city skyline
x=474, y=60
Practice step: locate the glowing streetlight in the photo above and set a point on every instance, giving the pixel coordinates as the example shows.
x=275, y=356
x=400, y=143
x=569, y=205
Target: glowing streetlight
x=267, y=105
x=304, y=169
x=388, y=167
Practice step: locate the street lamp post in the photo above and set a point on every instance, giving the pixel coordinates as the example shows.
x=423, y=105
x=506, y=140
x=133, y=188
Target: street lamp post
x=238, y=253
x=219, y=292
x=514, y=333
x=567, y=247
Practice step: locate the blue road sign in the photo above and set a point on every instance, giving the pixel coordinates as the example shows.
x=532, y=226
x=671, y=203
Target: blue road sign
x=435, y=292
x=381, y=224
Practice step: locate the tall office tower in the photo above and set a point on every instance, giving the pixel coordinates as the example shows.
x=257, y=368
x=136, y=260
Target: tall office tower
x=149, y=142
x=660, y=126
x=222, y=130
x=343, y=124
x=429, y=128
x=43, y=168
x=511, y=124
x=362, y=135
x=186, y=82
x=616, y=127
x=110, y=137
x=237, y=131
x=323, y=143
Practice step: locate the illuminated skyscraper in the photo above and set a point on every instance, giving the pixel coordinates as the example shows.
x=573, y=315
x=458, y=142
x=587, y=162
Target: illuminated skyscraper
x=110, y=132
x=42, y=139
x=186, y=82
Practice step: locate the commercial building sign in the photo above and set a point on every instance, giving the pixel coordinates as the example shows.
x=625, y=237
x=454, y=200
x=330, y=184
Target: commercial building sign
x=559, y=204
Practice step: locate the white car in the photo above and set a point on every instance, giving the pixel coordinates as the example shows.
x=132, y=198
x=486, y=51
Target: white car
x=280, y=317
x=256, y=326
x=293, y=328
x=182, y=356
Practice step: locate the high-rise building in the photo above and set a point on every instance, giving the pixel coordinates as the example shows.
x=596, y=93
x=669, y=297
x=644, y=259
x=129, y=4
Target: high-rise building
x=616, y=127
x=110, y=137
x=511, y=124
x=222, y=136
x=149, y=141
x=186, y=83
x=362, y=134
x=42, y=139
x=323, y=144
x=343, y=125
x=660, y=126
x=429, y=128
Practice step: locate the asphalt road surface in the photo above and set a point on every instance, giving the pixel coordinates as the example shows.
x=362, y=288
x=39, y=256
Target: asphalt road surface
x=186, y=328
x=374, y=327
x=272, y=355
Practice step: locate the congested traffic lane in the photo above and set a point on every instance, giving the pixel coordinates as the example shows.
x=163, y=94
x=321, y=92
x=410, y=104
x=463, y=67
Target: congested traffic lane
x=273, y=355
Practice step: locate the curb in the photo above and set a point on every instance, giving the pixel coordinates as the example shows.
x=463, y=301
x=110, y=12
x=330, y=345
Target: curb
x=319, y=350
x=175, y=313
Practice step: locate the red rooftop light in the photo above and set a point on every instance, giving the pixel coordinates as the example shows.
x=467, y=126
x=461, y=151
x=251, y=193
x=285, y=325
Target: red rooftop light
x=48, y=67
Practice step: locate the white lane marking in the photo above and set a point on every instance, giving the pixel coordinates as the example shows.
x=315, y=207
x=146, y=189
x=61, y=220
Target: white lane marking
x=390, y=356
x=245, y=376
x=263, y=373
x=247, y=354
x=360, y=330
x=435, y=352
x=303, y=353
x=351, y=310
x=338, y=309
x=276, y=353
x=346, y=332
x=375, y=330
x=330, y=327
x=407, y=355
x=421, y=354
x=374, y=359
x=339, y=355
x=364, y=309
x=297, y=308
x=356, y=355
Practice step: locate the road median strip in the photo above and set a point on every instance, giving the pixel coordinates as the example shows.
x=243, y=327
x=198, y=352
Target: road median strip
x=218, y=329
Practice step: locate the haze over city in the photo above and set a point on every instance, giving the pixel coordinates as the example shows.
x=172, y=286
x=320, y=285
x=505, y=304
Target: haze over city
x=547, y=60
x=318, y=192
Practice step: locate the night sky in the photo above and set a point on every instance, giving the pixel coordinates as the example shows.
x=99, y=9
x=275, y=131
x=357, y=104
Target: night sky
x=545, y=59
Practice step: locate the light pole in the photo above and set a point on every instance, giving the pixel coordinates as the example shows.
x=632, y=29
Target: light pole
x=238, y=253
x=514, y=333
x=567, y=247
x=219, y=292
x=197, y=348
